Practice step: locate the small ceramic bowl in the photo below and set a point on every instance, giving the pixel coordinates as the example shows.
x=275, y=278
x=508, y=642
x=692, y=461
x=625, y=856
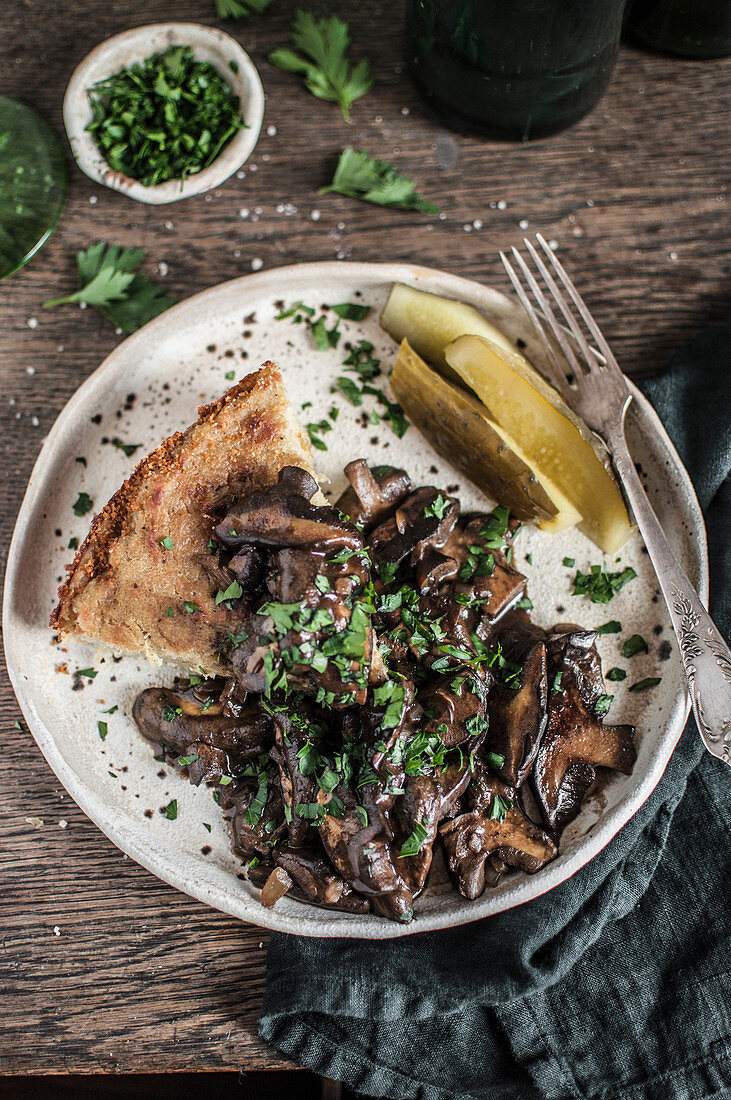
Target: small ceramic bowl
x=208, y=44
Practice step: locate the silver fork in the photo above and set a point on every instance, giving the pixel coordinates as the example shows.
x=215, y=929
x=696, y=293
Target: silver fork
x=594, y=387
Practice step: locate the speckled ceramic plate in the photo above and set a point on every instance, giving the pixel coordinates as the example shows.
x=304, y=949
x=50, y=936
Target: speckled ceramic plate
x=150, y=386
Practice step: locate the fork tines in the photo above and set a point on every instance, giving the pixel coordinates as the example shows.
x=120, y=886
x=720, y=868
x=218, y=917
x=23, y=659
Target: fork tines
x=544, y=317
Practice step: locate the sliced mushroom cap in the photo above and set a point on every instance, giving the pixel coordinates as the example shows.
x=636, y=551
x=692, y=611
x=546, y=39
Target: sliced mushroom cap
x=282, y=516
x=471, y=839
x=255, y=829
x=426, y=801
x=518, y=718
x=373, y=494
x=161, y=718
x=297, y=789
x=575, y=743
x=247, y=566
x=317, y=883
x=422, y=520
x=576, y=740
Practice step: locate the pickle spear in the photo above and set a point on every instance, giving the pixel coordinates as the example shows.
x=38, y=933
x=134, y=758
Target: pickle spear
x=459, y=427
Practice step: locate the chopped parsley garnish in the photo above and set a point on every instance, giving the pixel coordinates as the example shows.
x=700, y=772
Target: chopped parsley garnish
x=258, y=802
x=495, y=759
x=556, y=684
x=167, y=543
x=312, y=811
x=315, y=430
x=170, y=613
x=611, y=627
x=616, y=674
x=225, y=780
x=324, y=337
x=90, y=673
x=83, y=504
x=230, y=375
x=391, y=695
x=322, y=60
x=349, y=389
x=171, y=810
x=350, y=311
x=184, y=761
x=206, y=826
x=633, y=645
x=190, y=607
x=569, y=562
x=412, y=845
x=388, y=570
x=165, y=118
x=362, y=814
x=109, y=280
x=73, y=543
x=603, y=704
x=648, y=682
x=360, y=176
x=103, y=729
x=362, y=361
x=438, y=507
x=599, y=585
x=233, y=592
x=112, y=710
x=500, y=807
x=495, y=531
x=525, y=604
x=127, y=448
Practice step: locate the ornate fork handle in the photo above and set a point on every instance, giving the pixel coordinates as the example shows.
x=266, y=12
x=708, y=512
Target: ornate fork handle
x=705, y=655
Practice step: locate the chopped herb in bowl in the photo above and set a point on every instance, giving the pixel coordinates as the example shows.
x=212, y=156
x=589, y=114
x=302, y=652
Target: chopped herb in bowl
x=165, y=118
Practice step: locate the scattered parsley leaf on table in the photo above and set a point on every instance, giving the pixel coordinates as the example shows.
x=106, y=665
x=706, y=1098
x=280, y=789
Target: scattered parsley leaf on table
x=328, y=73
x=361, y=176
x=239, y=9
x=109, y=280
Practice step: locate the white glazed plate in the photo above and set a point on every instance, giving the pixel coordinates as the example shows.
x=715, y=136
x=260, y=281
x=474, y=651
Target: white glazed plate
x=130, y=47
x=150, y=386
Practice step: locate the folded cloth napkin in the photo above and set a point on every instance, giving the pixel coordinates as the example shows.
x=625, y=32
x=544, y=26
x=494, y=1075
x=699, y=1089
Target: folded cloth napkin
x=615, y=984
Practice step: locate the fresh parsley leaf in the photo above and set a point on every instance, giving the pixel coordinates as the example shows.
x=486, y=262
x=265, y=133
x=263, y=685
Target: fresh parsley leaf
x=73, y=543
x=648, y=682
x=230, y=375
x=171, y=810
x=569, y=562
x=362, y=814
x=392, y=696
x=184, y=761
x=83, y=504
x=633, y=645
x=314, y=430
x=349, y=389
x=167, y=543
x=525, y=604
x=103, y=729
x=190, y=607
x=603, y=704
x=556, y=684
x=108, y=280
x=328, y=73
x=616, y=674
x=90, y=673
x=360, y=176
x=112, y=710
x=206, y=826
x=325, y=338
x=599, y=585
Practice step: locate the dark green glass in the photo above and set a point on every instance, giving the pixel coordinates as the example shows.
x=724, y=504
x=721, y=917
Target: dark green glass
x=32, y=183
x=512, y=69
x=686, y=28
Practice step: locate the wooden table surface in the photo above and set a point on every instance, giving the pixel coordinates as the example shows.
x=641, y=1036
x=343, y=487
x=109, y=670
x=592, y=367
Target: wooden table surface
x=105, y=969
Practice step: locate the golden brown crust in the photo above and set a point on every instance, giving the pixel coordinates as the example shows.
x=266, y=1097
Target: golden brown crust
x=123, y=587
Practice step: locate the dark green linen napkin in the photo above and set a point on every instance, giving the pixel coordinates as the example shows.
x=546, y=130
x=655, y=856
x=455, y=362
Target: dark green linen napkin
x=617, y=984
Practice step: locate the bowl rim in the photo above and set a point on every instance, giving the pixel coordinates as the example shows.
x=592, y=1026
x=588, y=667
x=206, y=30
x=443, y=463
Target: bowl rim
x=137, y=44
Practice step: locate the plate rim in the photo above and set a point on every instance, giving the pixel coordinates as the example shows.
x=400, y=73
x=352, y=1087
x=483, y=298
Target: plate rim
x=156, y=857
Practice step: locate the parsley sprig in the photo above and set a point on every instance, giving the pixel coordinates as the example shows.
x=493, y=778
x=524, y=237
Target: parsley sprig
x=361, y=176
x=328, y=73
x=239, y=9
x=110, y=281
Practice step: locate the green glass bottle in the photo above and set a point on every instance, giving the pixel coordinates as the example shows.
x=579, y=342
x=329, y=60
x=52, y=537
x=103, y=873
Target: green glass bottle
x=697, y=29
x=32, y=183
x=512, y=69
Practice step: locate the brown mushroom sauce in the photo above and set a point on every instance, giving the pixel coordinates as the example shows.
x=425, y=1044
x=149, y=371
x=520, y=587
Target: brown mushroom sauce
x=384, y=696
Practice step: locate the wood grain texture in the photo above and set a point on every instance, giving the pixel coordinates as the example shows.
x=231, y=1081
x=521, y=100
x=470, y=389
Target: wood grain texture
x=140, y=978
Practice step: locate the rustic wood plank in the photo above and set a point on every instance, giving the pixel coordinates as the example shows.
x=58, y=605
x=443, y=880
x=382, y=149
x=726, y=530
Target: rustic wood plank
x=141, y=978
